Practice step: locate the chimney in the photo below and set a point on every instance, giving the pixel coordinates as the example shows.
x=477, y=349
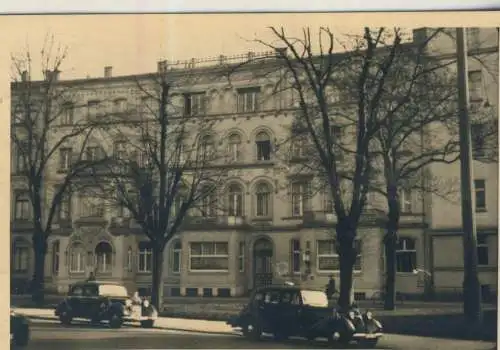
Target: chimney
x=108, y=72
x=24, y=76
x=250, y=55
x=56, y=75
x=52, y=75
x=162, y=66
x=47, y=74
x=280, y=52
x=222, y=59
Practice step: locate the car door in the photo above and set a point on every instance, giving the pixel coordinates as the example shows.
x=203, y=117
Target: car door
x=270, y=309
x=74, y=300
x=289, y=312
x=89, y=302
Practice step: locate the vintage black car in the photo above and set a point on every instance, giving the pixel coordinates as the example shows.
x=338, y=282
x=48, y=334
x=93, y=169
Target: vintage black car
x=19, y=329
x=285, y=311
x=105, y=301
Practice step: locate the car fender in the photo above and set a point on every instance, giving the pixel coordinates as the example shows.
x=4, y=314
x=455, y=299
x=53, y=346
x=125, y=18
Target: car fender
x=62, y=306
x=116, y=308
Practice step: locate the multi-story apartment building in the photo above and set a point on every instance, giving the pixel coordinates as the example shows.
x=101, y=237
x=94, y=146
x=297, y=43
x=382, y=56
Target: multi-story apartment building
x=272, y=231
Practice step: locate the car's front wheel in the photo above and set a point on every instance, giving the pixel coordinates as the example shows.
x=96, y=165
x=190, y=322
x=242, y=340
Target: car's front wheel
x=147, y=323
x=115, y=321
x=252, y=329
x=65, y=318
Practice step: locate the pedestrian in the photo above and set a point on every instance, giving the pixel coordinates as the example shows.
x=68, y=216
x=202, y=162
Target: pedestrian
x=331, y=289
x=136, y=299
x=91, y=277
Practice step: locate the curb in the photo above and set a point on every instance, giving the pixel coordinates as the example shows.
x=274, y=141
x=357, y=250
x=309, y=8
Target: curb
x=47, y=318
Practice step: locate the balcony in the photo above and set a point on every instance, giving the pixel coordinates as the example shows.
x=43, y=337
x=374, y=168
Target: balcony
x=97, y=220
x=219, y=222
x=20, y=225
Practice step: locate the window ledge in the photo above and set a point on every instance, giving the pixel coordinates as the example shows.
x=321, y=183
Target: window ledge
x=209, y=271
x=481, y=210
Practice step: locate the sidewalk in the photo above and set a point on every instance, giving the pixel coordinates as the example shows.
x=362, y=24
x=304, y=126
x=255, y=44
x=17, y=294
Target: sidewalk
x=179, y=324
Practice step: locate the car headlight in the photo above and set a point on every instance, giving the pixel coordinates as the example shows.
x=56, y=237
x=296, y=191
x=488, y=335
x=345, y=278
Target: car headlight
x=351, y=315
x=369, y=315
x=145, y=303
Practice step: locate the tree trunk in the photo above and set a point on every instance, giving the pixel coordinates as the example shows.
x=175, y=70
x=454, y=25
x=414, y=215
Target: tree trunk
x=40, y=250
x=157, y=283
x=347, y=256
x=390, y=240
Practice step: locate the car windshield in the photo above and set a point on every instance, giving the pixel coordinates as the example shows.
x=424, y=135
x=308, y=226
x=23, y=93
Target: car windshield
x=314, y=298
x=112, y=290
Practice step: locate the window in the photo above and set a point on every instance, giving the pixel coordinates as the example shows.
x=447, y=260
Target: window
x=123, y=211
x=65, y=207
x=145, y=257
x=482, y=250
x=328, y=202
x=297, y=146
x=103, y=253
x=234, y=150
x=77, y=258
x=175, y=208
x=128, y=265
x=405, y=201
x=194, y=104
x=208, y=202
x=406, y=255
x=263, y=144
x=92, y=107
x=149, y=105
x=67, y=114
x=92, y=153
x=478, y=138
x=206, y=147
x=209, y=256
x=65, y=155
x=55, y=258
x=248, y=100
x=336, y=135
x=295, y=255
x=480, y=190
x=22, y=209
x=475, y=85
x=235, y=200
x=119, y=105
x=21, y=258
x=120, y=150
x=91, y=205
x=241, y=257
x=263, y=200
x=328, y=259
x=300, y=198
x=176, y=257
x=20, y=161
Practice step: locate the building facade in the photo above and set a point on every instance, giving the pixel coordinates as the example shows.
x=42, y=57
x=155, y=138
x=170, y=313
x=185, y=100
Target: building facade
x=271, y=230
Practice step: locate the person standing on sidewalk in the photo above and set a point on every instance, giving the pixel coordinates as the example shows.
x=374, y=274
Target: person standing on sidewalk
x=331, y=289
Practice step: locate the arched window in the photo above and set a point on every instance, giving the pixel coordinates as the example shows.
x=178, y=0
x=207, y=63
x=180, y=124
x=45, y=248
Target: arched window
x=206, y=147
x=263, y=144
x=77, y=258
x=208, y=202
x=20, y=256
x=22, y=210
x=263, y=200
x=176, y=256
x=234, y=150
x=235, y=200
x=55, y=258
x=103, y=253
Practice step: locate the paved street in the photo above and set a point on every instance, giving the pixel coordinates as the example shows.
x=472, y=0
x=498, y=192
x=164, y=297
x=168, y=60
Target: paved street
x=48, y=334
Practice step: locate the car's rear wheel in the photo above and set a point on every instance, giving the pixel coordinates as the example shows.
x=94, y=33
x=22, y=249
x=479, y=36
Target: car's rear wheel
x=115, y=321
x=147, y=323
x=252, y=329
x=65, y=318
x=368, y=343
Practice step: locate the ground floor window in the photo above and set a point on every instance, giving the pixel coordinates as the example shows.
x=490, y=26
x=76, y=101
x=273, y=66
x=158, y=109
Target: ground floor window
x=145, y=263
x=209, y=256
x=77, y=258
x=176, y=257
x=328, y=259
x=406, y=255
x=21, y=259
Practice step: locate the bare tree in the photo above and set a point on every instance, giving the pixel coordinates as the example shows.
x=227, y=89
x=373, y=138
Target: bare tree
x=165, y=165
x=42, y=133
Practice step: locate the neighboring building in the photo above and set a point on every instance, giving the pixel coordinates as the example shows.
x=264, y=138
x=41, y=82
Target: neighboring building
x=271, y=230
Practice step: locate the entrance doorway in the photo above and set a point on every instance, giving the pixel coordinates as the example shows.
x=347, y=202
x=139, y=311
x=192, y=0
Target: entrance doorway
x=263, y=262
